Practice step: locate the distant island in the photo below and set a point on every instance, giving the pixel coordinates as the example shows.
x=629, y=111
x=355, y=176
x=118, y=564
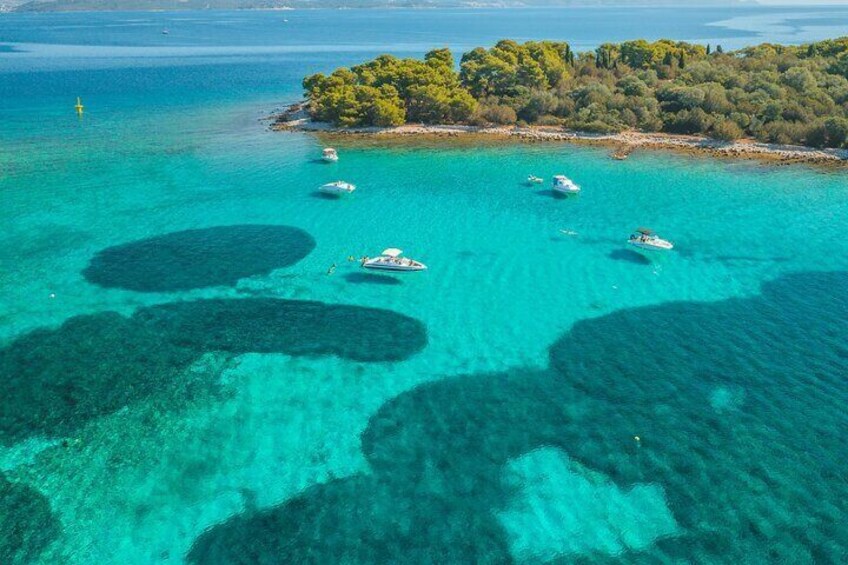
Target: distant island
x=159, y=5
x=775, y=94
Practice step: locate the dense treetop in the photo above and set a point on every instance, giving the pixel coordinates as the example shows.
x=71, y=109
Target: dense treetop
x=390, y=91
x=775, y=93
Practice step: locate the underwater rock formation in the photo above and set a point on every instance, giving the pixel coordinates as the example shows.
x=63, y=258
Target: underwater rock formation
x=715, y=403
x=53, y=381
x=27, y=524
x=199, y=258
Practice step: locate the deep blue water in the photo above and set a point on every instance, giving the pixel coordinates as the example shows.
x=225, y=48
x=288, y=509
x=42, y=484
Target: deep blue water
x=191, y=369
x=250, y=54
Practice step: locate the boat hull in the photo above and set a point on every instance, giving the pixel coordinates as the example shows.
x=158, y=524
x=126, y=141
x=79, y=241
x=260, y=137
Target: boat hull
x=397, y=268
x=336, y=188
x=652, y=247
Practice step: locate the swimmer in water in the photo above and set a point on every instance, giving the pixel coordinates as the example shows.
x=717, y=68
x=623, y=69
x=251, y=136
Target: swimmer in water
x=331, y=269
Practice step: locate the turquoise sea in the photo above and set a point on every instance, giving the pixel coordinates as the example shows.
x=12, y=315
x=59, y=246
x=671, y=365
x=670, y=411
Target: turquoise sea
x=183, y=380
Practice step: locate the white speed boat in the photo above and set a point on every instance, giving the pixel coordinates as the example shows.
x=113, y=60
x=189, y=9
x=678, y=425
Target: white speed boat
x=533, y=179
x=565, y=185
x=643, y=238
x=330, y=155
x=338, y=187
x=391, y=260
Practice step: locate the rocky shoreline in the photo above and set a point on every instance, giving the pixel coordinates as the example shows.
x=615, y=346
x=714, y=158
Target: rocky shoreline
x=295, y=118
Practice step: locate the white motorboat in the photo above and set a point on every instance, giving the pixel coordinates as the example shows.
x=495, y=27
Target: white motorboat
x=533, y=179
x=338, y=187
x=565, y=185
x=391, y=260
x=330, y=155
x=644, y=238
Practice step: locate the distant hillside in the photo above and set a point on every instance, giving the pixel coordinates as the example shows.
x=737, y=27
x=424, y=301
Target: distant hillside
x=110, y=5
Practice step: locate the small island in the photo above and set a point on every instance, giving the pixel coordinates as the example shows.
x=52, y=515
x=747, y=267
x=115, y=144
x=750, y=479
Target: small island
x=785, y=102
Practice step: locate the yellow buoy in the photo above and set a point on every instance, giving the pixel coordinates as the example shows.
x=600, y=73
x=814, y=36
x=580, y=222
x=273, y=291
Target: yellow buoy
x=79, y=107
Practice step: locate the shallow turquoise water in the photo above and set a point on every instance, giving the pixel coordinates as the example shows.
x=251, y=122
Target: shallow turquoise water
x=483, y=410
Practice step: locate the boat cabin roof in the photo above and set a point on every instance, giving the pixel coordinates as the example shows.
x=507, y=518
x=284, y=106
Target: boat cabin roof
x=645, y=231
x=392, y=252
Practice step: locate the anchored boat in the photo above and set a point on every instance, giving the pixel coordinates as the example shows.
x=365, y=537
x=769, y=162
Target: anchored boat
x=391, y=260
x=338, y=187
x=330, y=155
x=565, y=185
x=645, y=238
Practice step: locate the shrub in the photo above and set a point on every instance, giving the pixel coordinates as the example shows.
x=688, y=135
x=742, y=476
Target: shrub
x=783, y=133
x=539, y=103
x=674, y=98
x=499, y=114
x=688, y=121
x=799, y=78
x=837, y=131
x=549, y=120
x=816, y=135
x=631, y=85
x=726, y=130
x=385, y=113
x=831, y=132
x=597, y=126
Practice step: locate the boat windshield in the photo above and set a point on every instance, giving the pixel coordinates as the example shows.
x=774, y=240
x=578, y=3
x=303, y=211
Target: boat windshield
x=641, y=236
